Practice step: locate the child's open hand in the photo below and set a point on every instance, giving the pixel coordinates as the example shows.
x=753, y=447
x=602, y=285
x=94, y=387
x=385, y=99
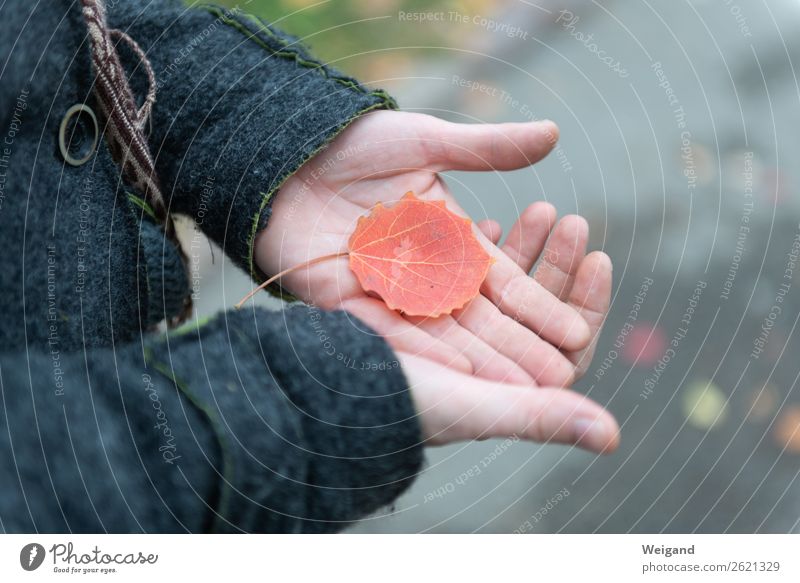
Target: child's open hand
x=516, y=330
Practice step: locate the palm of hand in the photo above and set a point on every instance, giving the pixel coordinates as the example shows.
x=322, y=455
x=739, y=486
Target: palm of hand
x=518, y=330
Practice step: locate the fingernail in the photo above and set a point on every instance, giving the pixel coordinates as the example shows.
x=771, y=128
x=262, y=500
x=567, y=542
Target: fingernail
x=545, y=122
x=591, y=433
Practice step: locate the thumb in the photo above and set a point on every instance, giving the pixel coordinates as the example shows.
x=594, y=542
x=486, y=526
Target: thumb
x=456, y=407
x=505, y=146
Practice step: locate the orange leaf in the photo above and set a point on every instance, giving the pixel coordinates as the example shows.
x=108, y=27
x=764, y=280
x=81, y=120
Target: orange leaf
x=419, y=257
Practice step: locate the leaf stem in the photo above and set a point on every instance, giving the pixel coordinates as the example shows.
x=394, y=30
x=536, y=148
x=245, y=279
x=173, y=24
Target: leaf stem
x=277, y=276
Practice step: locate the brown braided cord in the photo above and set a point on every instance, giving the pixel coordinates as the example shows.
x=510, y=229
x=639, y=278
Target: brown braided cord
x=125, y=123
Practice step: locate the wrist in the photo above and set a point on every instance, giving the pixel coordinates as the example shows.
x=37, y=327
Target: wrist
x=270, y=242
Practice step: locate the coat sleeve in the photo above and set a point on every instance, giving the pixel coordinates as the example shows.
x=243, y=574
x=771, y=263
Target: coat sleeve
x=240, y=107
x=256, y=421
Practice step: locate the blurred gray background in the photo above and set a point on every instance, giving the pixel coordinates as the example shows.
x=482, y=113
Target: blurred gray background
x=679, y=139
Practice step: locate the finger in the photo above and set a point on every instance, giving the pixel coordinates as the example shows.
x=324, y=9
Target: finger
x=563, y=255
x=491, y=230
x=527, y=237
x=465, y=408
x=591, y=296
x=506, y=146
x=402, y=335
x=486, y=361
x=523, y=299
x=541, y=360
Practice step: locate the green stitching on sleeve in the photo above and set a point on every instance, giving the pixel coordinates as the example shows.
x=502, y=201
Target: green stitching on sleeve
x=142, y=204
x=191, y=326
x=287, y=52
x=227, y=464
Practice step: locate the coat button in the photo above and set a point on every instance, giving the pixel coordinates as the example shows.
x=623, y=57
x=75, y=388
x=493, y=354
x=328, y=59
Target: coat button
x=78, y=134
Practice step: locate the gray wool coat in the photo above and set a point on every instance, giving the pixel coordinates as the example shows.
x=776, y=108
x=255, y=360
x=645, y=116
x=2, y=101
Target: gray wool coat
x=242, y=424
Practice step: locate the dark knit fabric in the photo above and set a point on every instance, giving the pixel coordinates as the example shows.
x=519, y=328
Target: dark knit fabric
x=240, y=106
x=227, y=427
x=163, y=272
x=274, y=431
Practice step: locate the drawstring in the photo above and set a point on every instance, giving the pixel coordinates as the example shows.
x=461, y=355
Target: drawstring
x=143, y=114
x=125, y=122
